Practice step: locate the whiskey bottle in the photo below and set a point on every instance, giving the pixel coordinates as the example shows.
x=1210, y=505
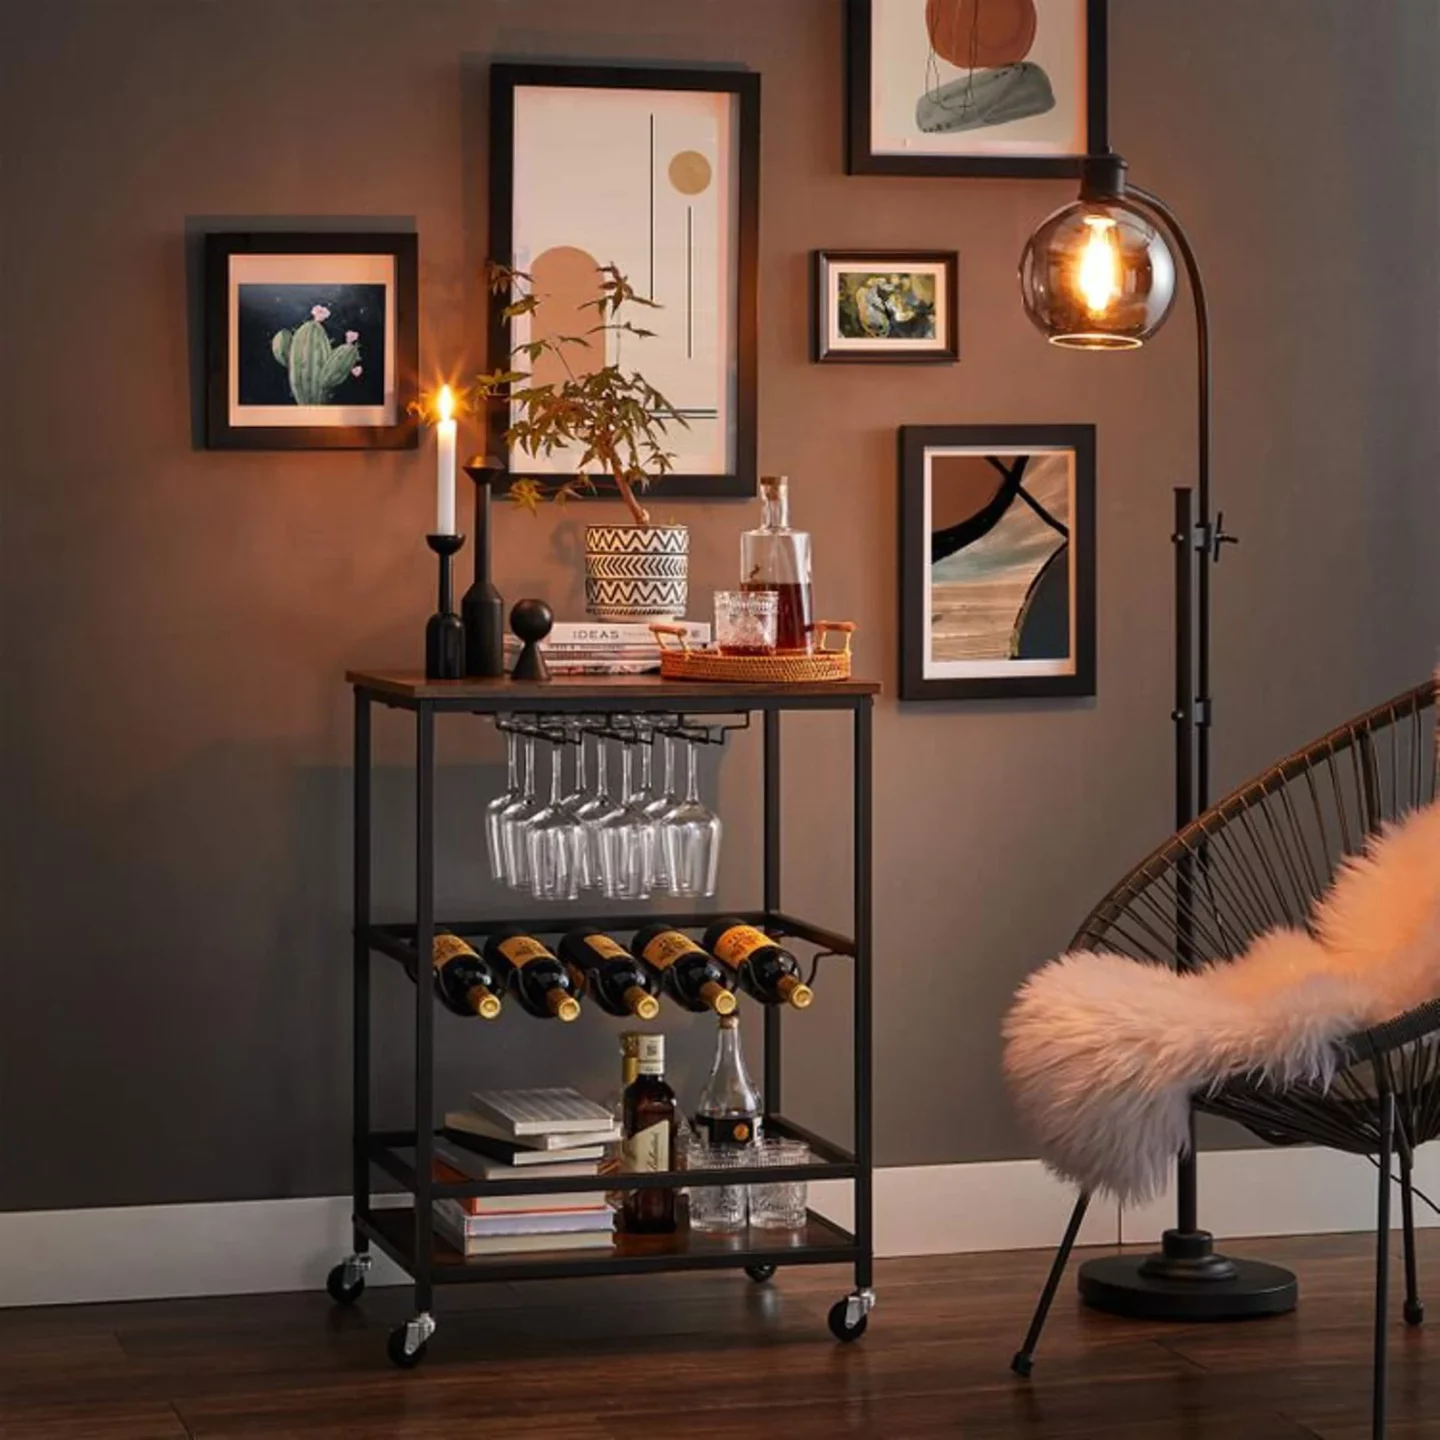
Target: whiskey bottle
x=765, y=969
x=465, y=983
x=730, y=1108
x=649, y=1140
x=541, y=983
x=775, y=557
x=692, y=978
x=620, y=984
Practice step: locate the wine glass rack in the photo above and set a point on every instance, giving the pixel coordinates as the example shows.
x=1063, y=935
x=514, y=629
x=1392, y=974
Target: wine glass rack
x=616, y=707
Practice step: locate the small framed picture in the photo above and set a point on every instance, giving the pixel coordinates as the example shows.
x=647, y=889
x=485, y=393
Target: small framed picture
x=886, y=305
x=312, y=341
x=1003, y=88
x=997, y=563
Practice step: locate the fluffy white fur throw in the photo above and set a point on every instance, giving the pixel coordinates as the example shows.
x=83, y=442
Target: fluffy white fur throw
x=1103, y=1053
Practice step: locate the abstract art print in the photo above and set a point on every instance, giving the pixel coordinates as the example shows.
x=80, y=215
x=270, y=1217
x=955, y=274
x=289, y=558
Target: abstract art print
x=312, y=341
x=998, y=561
x=885, y=305
x=975, y=87
x=655, y=172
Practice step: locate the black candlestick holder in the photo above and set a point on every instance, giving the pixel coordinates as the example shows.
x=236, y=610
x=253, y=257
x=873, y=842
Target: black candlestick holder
x=444, y=634
x=482, y=610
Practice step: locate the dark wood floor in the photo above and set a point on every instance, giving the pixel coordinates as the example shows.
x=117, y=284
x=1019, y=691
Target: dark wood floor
x=715, y=1356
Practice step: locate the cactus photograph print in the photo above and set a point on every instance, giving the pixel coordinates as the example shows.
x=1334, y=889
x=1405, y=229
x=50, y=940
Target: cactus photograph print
x=975, y=87
x=998, y=574
x=311, y=341
x=656, y=173
x=885, y=305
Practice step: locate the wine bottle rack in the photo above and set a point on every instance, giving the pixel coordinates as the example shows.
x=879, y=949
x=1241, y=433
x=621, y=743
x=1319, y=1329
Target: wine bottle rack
x=710, y=714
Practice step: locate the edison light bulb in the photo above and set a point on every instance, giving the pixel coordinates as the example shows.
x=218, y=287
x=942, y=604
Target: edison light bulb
x=1099, y=277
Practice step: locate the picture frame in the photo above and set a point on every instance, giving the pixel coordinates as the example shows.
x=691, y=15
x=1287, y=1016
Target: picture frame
x=892, y=306
x=312, y=340
x=997, y=561
x=657, y=171
x=1033, y=107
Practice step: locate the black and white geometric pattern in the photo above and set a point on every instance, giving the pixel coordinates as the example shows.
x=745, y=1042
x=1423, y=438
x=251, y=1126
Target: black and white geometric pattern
x=633, y=571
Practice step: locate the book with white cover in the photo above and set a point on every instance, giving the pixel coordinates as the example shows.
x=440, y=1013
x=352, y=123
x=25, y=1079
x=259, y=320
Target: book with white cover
x=550, y=1111
x=454, y=1217
x=621, y=632
x=499, y=1144
x=472, y=1245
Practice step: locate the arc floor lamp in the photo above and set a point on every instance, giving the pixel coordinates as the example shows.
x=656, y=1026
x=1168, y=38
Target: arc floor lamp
x=1099, y=274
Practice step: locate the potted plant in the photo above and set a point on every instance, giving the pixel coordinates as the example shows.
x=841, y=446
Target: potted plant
x=616, y=421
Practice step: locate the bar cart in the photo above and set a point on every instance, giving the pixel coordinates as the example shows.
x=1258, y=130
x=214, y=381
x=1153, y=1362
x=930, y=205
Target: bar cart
x=407, y=1234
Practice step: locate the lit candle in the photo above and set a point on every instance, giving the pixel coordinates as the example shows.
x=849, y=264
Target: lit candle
x=445, y=473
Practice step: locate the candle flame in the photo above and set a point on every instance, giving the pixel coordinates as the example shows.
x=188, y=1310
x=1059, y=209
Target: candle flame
x=445, y=404
x=1099, y=271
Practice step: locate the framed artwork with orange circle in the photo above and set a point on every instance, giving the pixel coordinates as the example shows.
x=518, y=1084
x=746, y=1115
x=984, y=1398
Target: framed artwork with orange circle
x=975, y=87
x=656, y=173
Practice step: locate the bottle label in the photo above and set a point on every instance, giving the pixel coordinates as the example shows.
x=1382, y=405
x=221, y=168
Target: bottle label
x=446, y=948
x=606, y=948
x=651, y=1055
x=729, y=1129
x=667, y=947
x=522, y=949
x=648, y=1150
x=739, y=942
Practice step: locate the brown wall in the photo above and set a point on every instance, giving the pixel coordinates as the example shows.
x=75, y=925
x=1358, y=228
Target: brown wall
x=173, y=1011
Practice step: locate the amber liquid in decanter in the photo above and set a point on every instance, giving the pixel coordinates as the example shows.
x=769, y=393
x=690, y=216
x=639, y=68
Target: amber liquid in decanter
x=775, y=557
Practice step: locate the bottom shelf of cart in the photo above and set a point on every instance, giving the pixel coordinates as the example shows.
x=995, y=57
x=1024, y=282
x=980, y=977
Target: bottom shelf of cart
x=819, y=1243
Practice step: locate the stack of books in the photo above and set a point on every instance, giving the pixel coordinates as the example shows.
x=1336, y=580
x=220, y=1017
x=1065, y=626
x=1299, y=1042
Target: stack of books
x=594, y=647
x=551, y=1134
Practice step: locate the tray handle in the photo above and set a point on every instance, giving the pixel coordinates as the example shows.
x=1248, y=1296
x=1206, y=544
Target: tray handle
x=823, y=630
x=671, y=633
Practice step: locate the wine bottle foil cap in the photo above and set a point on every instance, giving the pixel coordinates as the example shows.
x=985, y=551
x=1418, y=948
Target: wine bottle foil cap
x=630, y=1043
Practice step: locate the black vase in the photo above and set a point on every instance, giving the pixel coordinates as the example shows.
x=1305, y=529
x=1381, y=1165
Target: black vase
x=482, y=611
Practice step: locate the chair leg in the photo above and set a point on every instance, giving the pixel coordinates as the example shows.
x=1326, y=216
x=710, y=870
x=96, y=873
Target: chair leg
x=1414, y=1307
x=1025, y=1356
x=1382, y=1264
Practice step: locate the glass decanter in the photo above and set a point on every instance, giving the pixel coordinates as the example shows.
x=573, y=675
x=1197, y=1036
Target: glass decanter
x=775, y=557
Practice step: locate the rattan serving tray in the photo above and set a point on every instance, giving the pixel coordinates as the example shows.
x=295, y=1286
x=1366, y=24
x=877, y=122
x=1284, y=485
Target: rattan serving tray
x=679, y=661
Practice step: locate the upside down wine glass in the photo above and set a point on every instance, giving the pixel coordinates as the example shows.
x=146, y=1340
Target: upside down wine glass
x=554, y=838
x=513, y=821
x=495, y=810
x=691, y=835
x=624, y=838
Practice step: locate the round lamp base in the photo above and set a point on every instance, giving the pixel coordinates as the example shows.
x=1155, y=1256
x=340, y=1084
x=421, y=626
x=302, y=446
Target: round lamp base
x=1154, y=1288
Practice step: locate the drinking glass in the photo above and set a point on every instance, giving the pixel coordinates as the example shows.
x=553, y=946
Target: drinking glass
x=599, y=804
x=576, y=802
x=691, y=833
x=623, y=839
x=746, y=621
x=780, y=1206
x=718, y=1209
x=495, y=810
x=513, y=818
x=554, y=839
x=660, y=804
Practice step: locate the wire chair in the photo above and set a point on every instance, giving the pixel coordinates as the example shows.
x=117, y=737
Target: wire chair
x=1258, y=859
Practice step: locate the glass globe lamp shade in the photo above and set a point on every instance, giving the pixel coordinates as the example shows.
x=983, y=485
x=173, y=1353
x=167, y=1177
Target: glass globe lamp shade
x=1097, y=276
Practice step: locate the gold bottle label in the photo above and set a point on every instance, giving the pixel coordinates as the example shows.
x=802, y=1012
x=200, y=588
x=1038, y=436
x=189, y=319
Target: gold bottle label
x=446, y=947
x=739, y=942
x=667, y=947
x=606, y=948
x=648, y=1151
x=522, y=949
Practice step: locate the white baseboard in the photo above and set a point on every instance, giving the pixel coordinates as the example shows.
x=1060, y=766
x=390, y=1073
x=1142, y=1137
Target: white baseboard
x=142, y=1252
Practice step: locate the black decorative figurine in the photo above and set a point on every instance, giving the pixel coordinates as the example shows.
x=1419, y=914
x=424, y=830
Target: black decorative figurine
x=444, y=634
x=531, y=621
x=482, y=611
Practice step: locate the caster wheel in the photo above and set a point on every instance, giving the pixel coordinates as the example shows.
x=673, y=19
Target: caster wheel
x=760, y=1273
x=344, y=1287
x=1022, y=1364
x=1414, y=1313
x=840, y=1326
x=399, y=1355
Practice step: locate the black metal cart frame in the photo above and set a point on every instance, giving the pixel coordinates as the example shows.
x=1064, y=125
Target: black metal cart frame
x=407, y=1235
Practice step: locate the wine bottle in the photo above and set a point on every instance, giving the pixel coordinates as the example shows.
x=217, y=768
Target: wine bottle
x=729, y=1112
x=540, y=981
x=764, y=968
x=620, y=984
x=649, y=1140
x=465, y=983
x=692, y=978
